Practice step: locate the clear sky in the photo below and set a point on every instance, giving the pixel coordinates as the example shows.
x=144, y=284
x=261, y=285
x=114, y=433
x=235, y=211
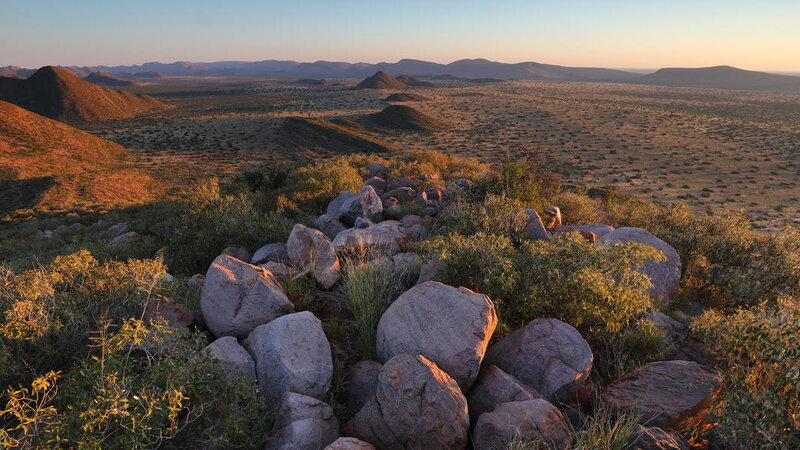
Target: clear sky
x=752, y=34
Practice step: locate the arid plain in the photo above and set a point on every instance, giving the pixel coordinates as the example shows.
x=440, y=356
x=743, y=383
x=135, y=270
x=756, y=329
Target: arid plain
x=719, y=149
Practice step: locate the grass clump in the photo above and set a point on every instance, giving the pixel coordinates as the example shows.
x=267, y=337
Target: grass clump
x=368, y=289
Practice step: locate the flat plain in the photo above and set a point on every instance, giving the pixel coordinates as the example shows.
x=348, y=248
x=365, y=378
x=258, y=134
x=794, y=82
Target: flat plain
x=713, y=149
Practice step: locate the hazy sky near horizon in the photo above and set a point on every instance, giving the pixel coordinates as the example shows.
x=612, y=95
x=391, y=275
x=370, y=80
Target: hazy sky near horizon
x=757, y=35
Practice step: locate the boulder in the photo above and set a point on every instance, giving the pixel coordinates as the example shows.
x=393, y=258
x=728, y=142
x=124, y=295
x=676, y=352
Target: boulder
x=430, y=211
x=366, y=204
x=335, y=205
x=234, y=358
x=409, y=220
x=196, y=282
x=237, y=297
x=375, y=240
x=310, y=246
x=377, y=183
x=494, y=387
x=665, y=275
x=404, y=262
x=416, y=232
x=534, y=229
x=348, y=443
x=450, y=326
x=377, y=170
x=599, y=230
x=548, y=355
x=674, y=334
x=122, y=238
x=292, y=354
x=362, y=223
x=665, y=394
x=270, y=252
x=430, y=269
x=173, y=314
x=404, y=182
x=279, y=270
x=361, y=386
x=329, y=225
x=416, y=405
x=303, y=423
x=402, y=194
x=239, y=253
x=535, y=420
x=654, y=438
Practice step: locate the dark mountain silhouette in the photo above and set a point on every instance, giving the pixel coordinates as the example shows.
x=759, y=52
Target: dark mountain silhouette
x=56, y=93
x=473, y=68
x=405, y=118
x=317, y=136
x=106, y=79
x=411, y=81
x=381, y=80
x=315, y=82
x=15, y=72
x=48, y=164
x=402, y=97
x=721, y=77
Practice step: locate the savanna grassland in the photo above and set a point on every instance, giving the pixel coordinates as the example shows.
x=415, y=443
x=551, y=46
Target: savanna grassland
x=719, y=149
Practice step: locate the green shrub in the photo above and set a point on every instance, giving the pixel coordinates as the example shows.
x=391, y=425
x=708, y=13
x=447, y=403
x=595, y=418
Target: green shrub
x=313, y=187
x=758, y=353
x=494, y=215
x=578, y=208
x=526, y=182
x=617, y=354
x=421, y=163
x=569, y=279
x=144, y=386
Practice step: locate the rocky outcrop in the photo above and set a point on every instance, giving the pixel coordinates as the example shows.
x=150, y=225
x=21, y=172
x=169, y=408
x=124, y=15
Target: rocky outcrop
x=365, y=204
x=291, y=354
x=237, y=297
x=416, y=405
x=665, y=394
x=374, y=240
x=450, y=326
x=309, y=247
x=665, y=275
x=303, y=423
x=234, y=358
x=534, y=420
x=548, y=355
x=494, y=387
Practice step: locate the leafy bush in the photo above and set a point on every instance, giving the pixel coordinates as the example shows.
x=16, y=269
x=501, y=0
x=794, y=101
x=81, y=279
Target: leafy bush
x=144, y=385
x=569, y=278
x=526, y=182
x=494, y=215
x=421, y=163
x=578, y=209
x=758, y=353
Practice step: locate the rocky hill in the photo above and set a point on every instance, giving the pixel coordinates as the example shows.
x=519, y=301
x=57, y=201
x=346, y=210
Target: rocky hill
x=107, y=79
x=319, y=136
x=56, y=93
x=381, y=80
x=46, y=164
x=721, y=77
x=405, y=118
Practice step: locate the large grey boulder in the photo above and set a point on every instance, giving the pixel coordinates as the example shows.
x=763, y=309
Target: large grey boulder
x=377, y=183
x=665, y=394
x=600, y=231
x=548, y=355
x=362, y=385
x=271, y=252
x=335, y=205
x=348, y=443
x=416, y=405
x=535, y=420
x=237, y=252
x=375, y=240
x=450, y=326
x=329, y=225
x=654, y=438
x=534, y=228
x=366, y=204
x=494, y=387
x=377, y=169
x=402, y=194
x=304, y=423
x=292, y=354
x=233, y=357
x=307, y=246
x=237, y=297
x=665, y=275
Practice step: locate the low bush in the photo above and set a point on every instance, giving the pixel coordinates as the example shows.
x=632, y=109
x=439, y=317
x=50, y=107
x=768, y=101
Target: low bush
x=526, y=182
x=758, y=353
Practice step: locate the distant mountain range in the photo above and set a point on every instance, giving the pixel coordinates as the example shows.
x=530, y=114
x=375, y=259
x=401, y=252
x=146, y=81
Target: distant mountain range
x=724, y=77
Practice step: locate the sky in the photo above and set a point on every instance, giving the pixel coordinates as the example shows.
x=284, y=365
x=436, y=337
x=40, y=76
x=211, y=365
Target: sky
x=645, y=34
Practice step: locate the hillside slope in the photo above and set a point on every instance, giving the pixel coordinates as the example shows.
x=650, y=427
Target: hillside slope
x=48, y=165
x=56, y=93
x=720, y=77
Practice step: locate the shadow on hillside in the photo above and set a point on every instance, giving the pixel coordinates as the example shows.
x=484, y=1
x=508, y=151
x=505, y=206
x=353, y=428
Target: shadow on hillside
x=22, y=194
